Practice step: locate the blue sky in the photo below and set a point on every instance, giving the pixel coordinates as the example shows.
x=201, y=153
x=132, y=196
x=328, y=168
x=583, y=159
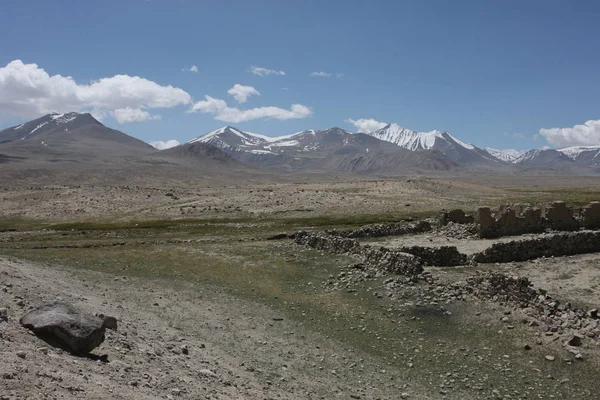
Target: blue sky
x=491, y=73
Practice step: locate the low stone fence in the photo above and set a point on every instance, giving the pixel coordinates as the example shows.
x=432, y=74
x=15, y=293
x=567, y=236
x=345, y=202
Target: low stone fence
x=377, y=258
x=560, y=244
x=380, y=230
x=445, y=256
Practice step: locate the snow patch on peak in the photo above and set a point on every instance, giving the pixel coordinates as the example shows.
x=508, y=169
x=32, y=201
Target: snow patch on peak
x=508, y=155
x=463, y=144
x=574, y=151
x=528, y=155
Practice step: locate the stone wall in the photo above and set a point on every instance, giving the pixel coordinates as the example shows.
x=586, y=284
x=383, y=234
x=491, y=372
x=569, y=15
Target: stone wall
x=445, y=256
x=380, y=230
x=457, y=216
x=590, y=215
x=392, y=261
x=518, y=219
x=560, y=244
x=508, y=222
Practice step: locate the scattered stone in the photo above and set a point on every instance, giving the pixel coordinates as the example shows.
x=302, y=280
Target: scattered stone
x=21, y=354
x=549, y=358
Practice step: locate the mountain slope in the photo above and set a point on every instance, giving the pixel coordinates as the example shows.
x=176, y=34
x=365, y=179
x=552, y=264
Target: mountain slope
x=69, y=136
x=545, y=159
x=583, y=156
x=48, y=124
x=460, y=152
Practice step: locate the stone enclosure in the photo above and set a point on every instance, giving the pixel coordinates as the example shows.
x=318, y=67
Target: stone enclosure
x=559, y=231
x=551, y=230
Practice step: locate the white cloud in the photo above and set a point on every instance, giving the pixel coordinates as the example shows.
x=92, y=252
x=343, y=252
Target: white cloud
x=223, y=112
x=123, y=115
x=516, y=135
x=339, y=75
x=27, y=90
x=366, y=125
x=266, y=71
x=193, y=68
x=241, y=93
x=160, y=145
x=320, y=74
x=587, y=134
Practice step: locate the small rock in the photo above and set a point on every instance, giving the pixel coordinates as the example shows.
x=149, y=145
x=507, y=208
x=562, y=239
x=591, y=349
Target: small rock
x=21, y=354
x=549, y=358
x=527, y=347
x=576, y=340
x=208, y=372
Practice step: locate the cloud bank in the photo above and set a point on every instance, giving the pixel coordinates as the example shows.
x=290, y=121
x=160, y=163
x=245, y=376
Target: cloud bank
x=27, y=90
x=587, y=134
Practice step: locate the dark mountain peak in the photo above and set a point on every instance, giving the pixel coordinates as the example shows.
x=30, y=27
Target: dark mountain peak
x=336, y=131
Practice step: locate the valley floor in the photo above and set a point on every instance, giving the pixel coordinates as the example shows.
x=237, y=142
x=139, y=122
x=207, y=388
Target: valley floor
x=260, y=318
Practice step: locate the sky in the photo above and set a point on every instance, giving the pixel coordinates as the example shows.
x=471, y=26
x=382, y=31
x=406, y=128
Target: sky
x=502, y=74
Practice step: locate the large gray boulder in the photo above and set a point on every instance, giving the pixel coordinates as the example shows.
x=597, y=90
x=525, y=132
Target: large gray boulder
x=66, y=326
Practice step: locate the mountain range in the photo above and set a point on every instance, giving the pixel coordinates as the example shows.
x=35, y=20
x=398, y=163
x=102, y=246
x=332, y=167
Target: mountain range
x=391, y=150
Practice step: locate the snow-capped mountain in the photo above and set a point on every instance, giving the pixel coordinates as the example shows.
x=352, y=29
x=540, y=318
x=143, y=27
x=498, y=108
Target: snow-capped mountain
x=461, y=152
x=582, y=153
x=71, y=135
x=508, y=155
x=330, y=149
x=233, y=140
x=576, y=159
x=51, y=123
x=544, y=159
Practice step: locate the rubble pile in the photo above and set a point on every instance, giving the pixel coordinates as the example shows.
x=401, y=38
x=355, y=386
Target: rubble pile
x=535, y=303
x=458, y=231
